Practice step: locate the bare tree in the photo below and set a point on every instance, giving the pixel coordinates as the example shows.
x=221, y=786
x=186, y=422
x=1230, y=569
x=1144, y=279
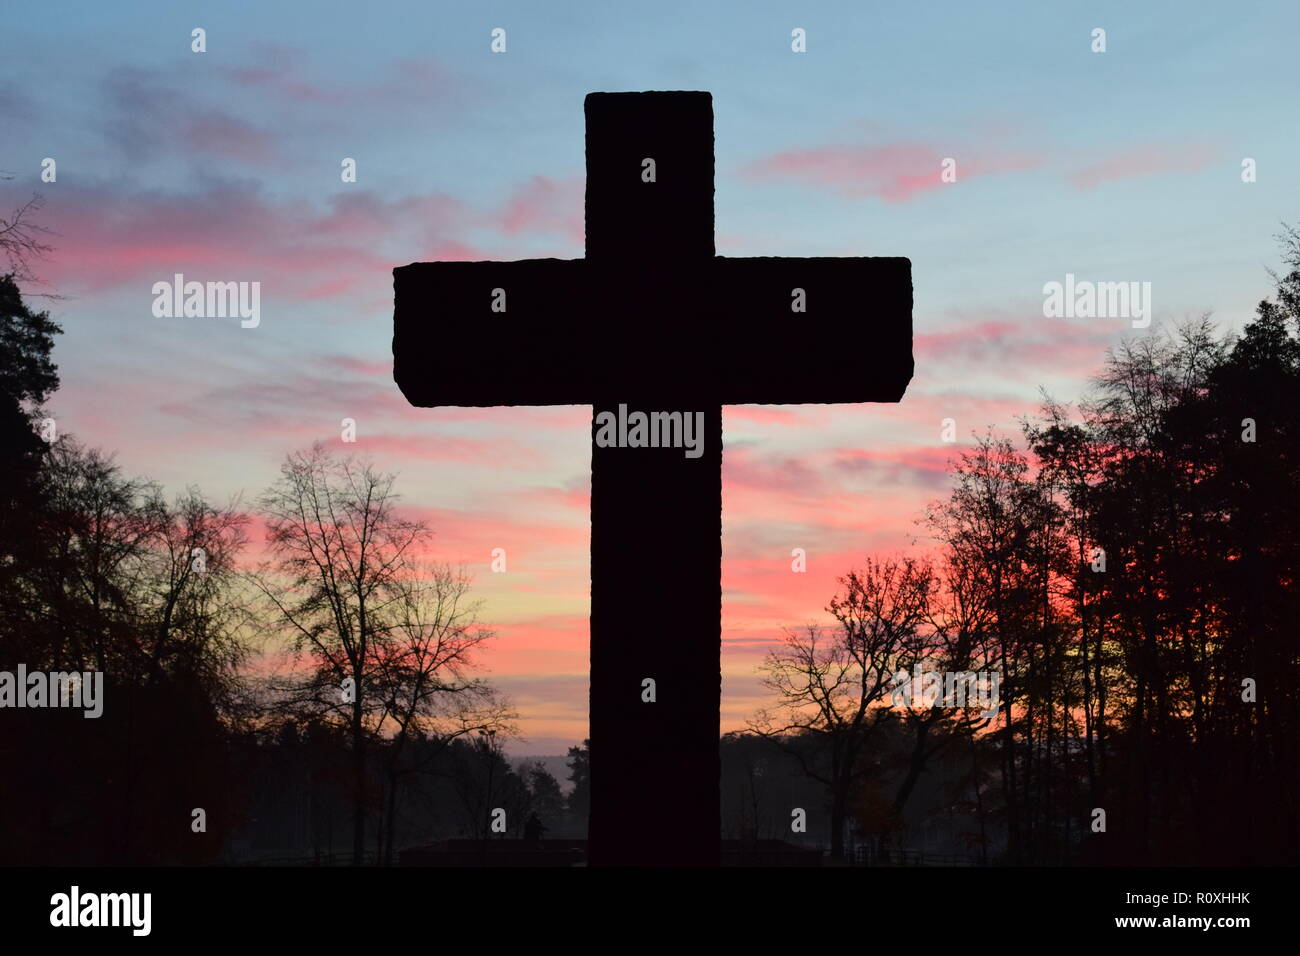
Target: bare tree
x=195, y=619
x=21, y=239
x=389, y=641
x=423, y=677
x=99, y=534
x=986, y=527
x=954, y=642
x=832, y=689
x=338, y=549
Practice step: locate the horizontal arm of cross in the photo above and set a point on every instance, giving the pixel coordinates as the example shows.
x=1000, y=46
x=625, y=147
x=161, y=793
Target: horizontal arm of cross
x=714, y=331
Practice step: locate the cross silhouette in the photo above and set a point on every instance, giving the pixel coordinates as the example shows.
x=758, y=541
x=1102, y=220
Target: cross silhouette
x=652, y=321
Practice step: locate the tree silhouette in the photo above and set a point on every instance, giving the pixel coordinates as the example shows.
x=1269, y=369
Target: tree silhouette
x=1132, y=571
x=832, y=688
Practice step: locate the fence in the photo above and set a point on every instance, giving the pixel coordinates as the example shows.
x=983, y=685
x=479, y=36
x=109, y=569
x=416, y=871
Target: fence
x=369, y=858
x=866, y=854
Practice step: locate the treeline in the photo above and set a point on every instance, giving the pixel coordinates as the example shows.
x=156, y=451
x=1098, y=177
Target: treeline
x=1129, y=569
x=343, y=651
x=768, y=794
x=300, y=810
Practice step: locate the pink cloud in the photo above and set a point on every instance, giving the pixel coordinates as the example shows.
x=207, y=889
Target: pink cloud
x=1144, y=161
x=106, y=237
x=544, y=205
x=972, y=412
x=367, y=216
x=301, y=408
x=568, y=418
x=784, y=474
x=924, y=466
x=576, y=497
x=503, y=452
x=452, y=251
x=769, y=509
x=822, y=473
x=764, y=414
x=362, y=368
x=429, y=83
x=936, y=344
x=895, y=172
x=1027, y=345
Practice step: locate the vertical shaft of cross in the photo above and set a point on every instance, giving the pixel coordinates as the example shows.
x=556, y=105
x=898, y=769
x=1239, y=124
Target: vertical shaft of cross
x=655, y=613
x=655, y=513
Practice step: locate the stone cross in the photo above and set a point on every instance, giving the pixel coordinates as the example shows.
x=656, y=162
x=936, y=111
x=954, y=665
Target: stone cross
x=656, y=332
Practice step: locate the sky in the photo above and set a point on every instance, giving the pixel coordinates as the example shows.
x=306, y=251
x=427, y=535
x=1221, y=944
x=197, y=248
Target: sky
x=1122, y=165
